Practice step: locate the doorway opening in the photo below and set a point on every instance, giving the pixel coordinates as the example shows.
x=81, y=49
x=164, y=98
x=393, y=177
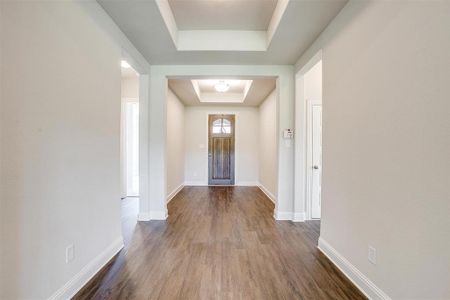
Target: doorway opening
x=221, y=130
x=129, y=147
x=130, y=132
x=309, y=147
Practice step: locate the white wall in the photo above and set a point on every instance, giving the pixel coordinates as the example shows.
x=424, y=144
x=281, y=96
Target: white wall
x=60, y=115
x=268, y=150
x=246, y=143
x=175, y=138
x=140, y=64
x=386, y=141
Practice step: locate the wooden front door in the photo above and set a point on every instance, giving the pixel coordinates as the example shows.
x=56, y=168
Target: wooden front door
x=221, y=150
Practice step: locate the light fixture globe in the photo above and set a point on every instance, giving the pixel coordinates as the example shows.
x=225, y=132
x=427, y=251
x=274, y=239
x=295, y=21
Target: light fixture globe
x=222, y=86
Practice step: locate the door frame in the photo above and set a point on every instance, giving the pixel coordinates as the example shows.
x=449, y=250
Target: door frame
x=232, y=157
x=309, y=156
x=301, y=208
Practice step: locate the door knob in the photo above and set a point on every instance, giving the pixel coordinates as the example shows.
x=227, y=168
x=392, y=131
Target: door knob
x=315, y=167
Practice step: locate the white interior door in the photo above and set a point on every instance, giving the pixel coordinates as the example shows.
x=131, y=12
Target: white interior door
x=132, y=148
x=316, y=178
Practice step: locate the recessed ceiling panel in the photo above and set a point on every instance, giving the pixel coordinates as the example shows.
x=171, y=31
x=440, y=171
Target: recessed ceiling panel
x=301, y=23
x=222, y=14
x=258, y=89
x=221, y=90
x=208, y=85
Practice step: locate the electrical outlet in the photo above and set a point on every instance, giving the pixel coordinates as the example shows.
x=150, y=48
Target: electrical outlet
x=69, y=254
x=372, y=255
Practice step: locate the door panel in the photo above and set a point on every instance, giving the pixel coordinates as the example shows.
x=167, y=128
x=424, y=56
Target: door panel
x=221, y=158
x=316, y=183
x=221, y=150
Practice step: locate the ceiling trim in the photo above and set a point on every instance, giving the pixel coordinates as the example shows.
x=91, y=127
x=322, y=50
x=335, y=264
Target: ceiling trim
x=169, y=19
x=276, y=18
x=221, y=40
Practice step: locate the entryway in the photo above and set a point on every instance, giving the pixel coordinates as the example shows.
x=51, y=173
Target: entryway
x=221, y=149
x=222, y=132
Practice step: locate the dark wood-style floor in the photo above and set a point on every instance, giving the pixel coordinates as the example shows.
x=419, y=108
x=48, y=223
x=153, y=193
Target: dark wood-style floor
x=219, y=243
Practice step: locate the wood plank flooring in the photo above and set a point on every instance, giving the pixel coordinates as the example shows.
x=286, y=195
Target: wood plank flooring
x=219, y=243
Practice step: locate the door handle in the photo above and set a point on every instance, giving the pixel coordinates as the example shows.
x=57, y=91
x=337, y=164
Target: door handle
x=315, y=167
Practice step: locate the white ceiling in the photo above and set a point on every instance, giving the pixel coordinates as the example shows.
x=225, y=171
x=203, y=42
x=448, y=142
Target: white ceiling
x=299, y=25
x=222, y=15
x=259, y=90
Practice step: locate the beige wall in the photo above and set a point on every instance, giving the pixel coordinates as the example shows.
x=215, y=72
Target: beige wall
x=268, y=161
x=312, y=84
x=130, y=87
x=59, y=145
x=246, y=143
x=175, y=137
x=386, y=141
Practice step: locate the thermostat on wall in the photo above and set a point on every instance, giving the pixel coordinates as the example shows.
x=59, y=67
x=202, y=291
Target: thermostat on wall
x=288, y=134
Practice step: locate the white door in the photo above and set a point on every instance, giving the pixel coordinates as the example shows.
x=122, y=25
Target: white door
x=316, y=179
x=132, y=148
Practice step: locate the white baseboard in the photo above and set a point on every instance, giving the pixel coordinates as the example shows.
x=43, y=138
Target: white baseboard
x=152, y=215
x=299, y=217
x=68, y=290
x=143, y=216
x=174, y=193
x=195, y=183
x=363, y=283
x=158, y=215
x=247, y=183
x=289, y=216
x=239, y=183
x=283, y=215
x=266, y=191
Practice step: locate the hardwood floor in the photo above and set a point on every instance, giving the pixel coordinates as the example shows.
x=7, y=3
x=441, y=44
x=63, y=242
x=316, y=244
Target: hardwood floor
x=219, y=243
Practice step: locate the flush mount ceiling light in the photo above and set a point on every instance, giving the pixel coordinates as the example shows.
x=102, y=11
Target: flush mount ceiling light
x=221, y=90
x=125, y=64
x=222, y=86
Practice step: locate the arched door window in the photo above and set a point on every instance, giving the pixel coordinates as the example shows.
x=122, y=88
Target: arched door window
x=221, y=126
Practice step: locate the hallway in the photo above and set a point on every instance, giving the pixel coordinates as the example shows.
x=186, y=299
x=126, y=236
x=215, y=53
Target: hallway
x=219, y=243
